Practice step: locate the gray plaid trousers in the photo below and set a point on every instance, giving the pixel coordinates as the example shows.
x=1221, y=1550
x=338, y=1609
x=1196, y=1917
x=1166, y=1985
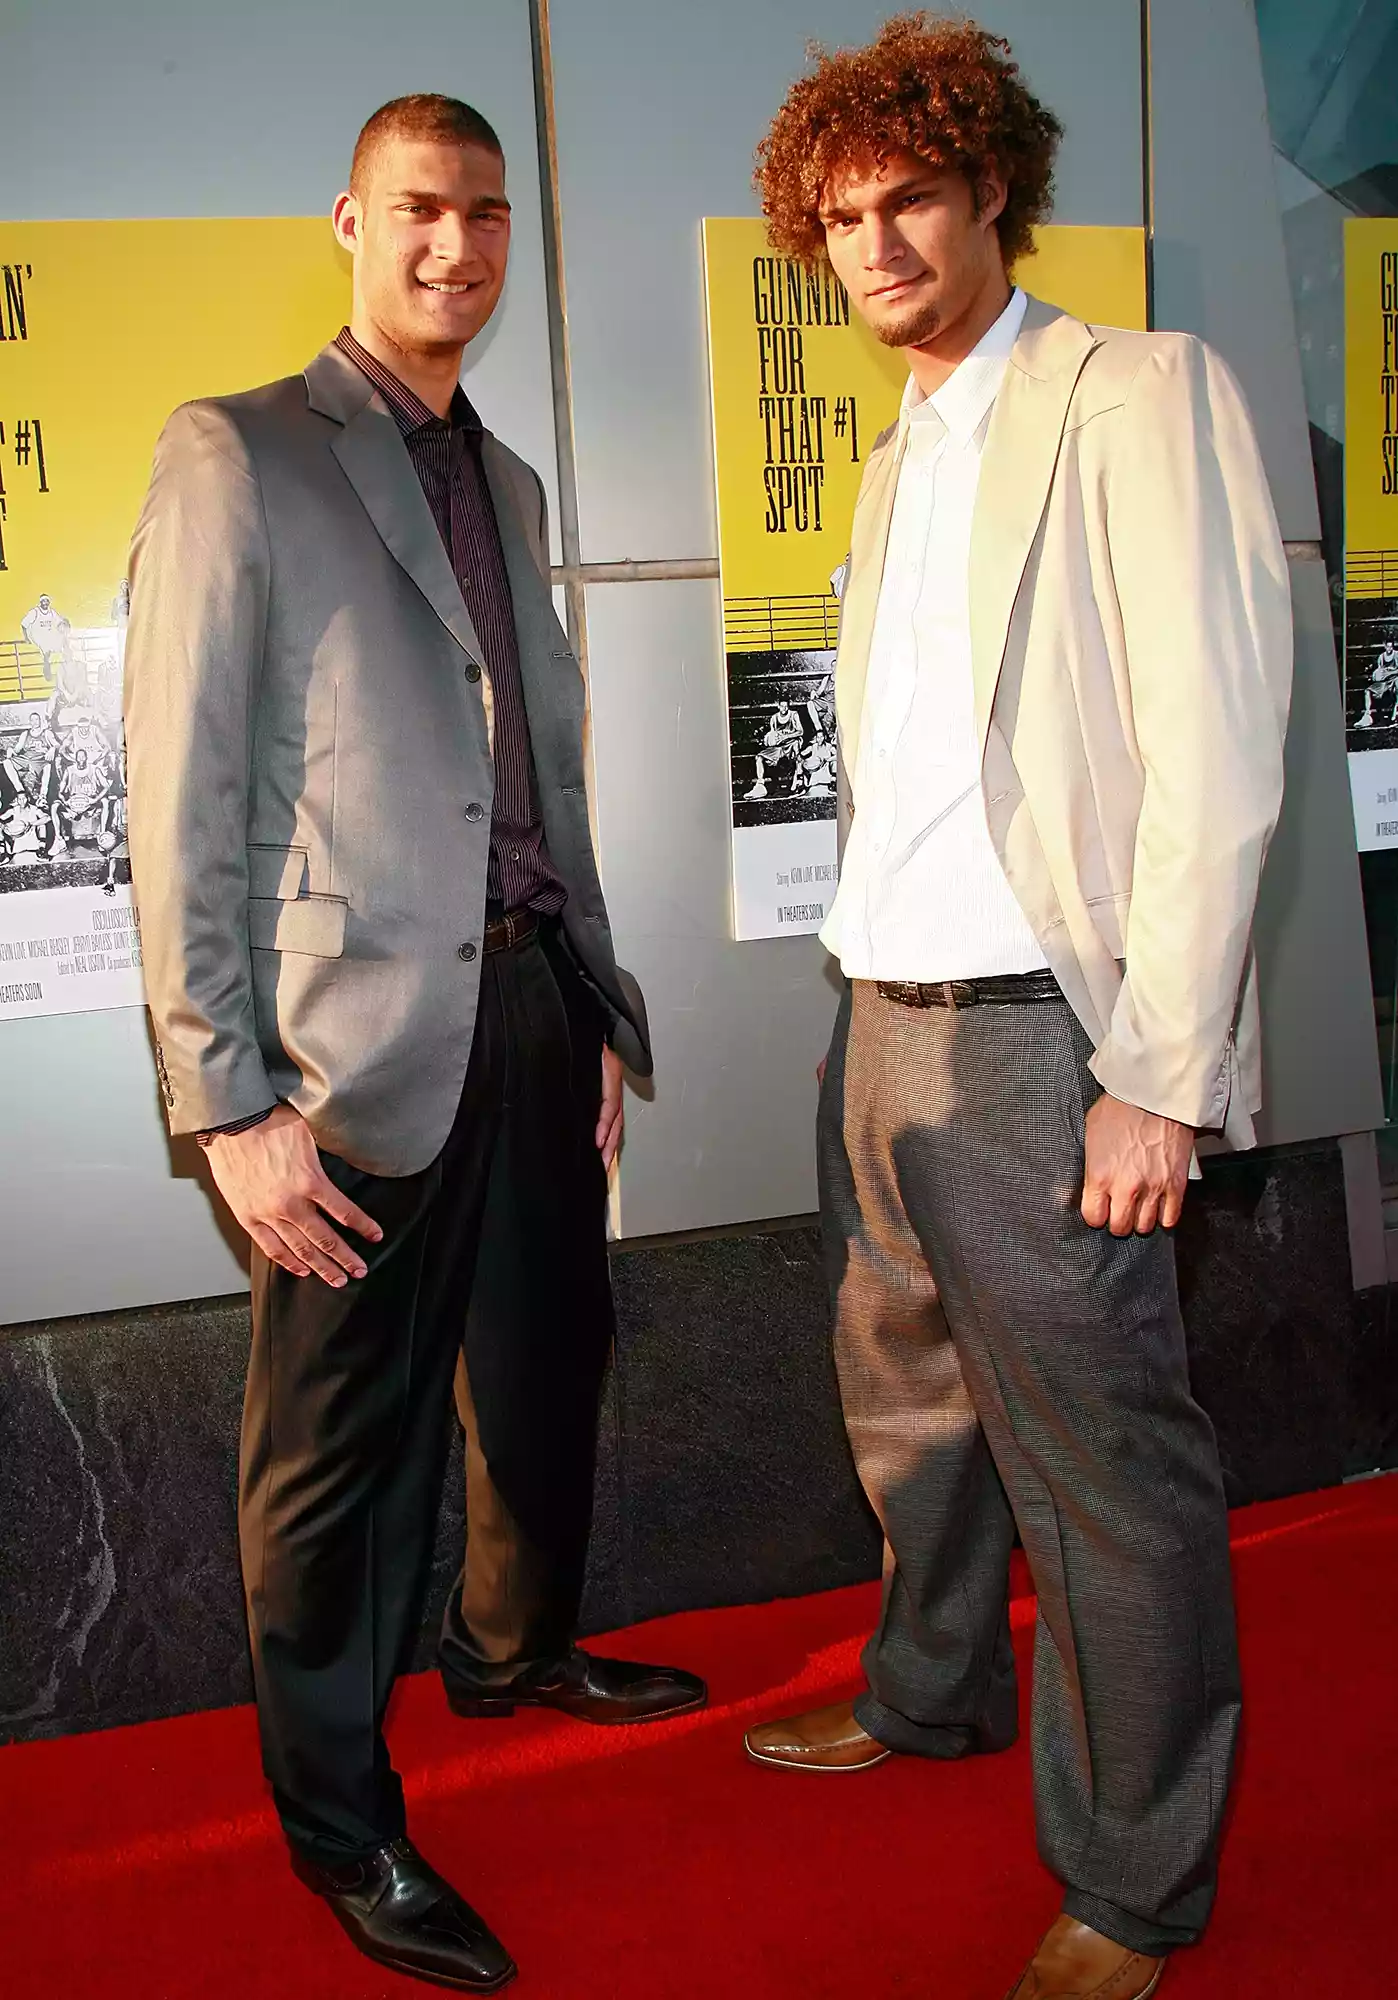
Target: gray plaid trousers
x=1002, y=1364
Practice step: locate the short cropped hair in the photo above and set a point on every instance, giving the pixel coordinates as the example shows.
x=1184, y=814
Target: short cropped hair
x=943, y=89
x=422, y=116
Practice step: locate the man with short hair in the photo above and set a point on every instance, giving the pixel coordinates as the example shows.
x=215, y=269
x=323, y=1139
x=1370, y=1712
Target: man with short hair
x=385, y=995
x=1062, y=686
x=44, y=627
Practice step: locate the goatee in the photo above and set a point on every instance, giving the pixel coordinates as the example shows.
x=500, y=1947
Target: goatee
x=912, y=328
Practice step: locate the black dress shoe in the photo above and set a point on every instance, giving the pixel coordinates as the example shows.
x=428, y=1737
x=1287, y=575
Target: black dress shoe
x=591, y=1689
x=401, y=1913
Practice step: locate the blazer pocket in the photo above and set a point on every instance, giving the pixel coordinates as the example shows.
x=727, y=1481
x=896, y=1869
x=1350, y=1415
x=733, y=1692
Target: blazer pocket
x=275, y=871
x=311, y=924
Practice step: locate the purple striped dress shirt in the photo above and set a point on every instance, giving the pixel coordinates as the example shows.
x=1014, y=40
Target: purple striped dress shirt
x=446, y=456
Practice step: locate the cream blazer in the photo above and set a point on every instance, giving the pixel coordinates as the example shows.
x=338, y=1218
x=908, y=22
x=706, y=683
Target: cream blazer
x=1131, y=649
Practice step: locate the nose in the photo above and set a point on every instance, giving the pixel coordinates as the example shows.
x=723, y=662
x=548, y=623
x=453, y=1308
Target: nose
x=881, y=245
x=453, y=245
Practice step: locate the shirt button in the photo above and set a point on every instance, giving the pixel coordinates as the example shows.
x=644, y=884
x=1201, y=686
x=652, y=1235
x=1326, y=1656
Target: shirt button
x=473, y=811
x=466, y=951
x=514, y=854
x=473, y=672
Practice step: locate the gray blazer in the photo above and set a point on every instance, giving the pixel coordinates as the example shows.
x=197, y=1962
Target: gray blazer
x=310, y=770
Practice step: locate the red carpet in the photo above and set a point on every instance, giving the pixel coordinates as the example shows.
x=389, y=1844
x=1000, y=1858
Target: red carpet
x=658, y=1864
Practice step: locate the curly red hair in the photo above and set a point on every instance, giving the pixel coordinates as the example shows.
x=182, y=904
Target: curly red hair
x=943, y=89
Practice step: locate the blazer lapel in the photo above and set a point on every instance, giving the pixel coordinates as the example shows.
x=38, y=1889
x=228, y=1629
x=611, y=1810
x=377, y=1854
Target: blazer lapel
x=873, y=515
x=1021, y=454
x=370, y=449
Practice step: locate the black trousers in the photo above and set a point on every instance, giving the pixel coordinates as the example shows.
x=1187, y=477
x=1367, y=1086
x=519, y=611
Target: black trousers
x=492, y=1274
x=1002, y=1364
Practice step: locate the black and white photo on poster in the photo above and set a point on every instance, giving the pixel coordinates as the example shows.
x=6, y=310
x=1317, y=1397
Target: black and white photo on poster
x=781, y=732
x=1371, y=673
x=62, y=754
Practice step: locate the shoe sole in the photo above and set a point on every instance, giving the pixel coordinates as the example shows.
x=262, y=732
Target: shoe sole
x=825, y=1770
x=1145, y=1992
x=410, y=1971
x=439, y=1979
x=471, y=1709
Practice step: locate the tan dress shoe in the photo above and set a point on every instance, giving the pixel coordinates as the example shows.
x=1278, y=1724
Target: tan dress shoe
x=1076, y=1963
x=825, y=1739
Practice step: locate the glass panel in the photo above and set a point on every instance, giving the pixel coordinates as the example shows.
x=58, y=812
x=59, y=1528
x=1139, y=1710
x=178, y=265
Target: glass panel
x=1330, y=67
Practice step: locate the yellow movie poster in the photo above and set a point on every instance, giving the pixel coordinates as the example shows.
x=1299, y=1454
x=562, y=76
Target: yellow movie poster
x=105, y=327
x=1371, y=526
x=800, y=391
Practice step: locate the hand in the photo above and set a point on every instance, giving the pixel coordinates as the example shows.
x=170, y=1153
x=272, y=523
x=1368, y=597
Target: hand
x=1136, y=1169
x=611, y=1118
x=820, y=1072
x=272, y=1179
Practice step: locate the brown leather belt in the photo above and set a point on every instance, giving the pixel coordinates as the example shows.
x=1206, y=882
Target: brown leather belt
x=1001, y=990
x=514, y=927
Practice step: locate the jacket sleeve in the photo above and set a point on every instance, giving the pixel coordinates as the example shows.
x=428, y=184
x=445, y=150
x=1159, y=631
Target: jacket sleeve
x=199, y=589
x=1202, y=585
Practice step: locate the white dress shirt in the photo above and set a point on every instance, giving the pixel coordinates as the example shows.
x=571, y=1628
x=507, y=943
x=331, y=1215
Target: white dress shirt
x=922, y=895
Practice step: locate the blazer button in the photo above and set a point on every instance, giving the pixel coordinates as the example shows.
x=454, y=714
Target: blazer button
x=466, y=951
x=473, y=811
x=473, y=672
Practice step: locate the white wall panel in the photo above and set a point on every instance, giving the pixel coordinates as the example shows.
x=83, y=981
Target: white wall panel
x=173, y=109
x=1220, y=256
x=1220, y=271
x=1320, y=1051
x=726, y=1130
x=660, y=104
x=163, y=107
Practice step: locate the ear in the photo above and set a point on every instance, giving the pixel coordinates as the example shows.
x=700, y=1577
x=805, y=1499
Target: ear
x=991, y=193
x=347, y=220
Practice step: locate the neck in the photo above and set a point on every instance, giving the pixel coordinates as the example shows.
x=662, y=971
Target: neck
x=934, y=360
x=432, y=374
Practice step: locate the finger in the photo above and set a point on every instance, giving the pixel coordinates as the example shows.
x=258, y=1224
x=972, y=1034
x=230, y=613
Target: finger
x=609, y=1138
x=1173, y=1205
x=342, y=1210
x=1096, y=1205
x=1148, y=1213
x=316, y=1231
x=1124, y=1200
x=275, y=1251
x=299, y=1241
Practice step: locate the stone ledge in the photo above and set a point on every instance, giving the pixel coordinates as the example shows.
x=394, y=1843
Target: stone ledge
x=724, y=1475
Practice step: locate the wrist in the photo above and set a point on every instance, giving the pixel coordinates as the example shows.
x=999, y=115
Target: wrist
x=206, y=1139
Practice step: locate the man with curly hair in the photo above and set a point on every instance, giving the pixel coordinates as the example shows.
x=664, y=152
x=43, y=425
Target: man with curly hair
x=1062, y=687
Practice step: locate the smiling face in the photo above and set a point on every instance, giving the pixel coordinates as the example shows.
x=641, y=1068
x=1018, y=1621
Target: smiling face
x=915, y=246
x=430, y=238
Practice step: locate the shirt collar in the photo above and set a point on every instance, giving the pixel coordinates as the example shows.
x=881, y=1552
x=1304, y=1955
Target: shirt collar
x=964, y=400
x=410, y=413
